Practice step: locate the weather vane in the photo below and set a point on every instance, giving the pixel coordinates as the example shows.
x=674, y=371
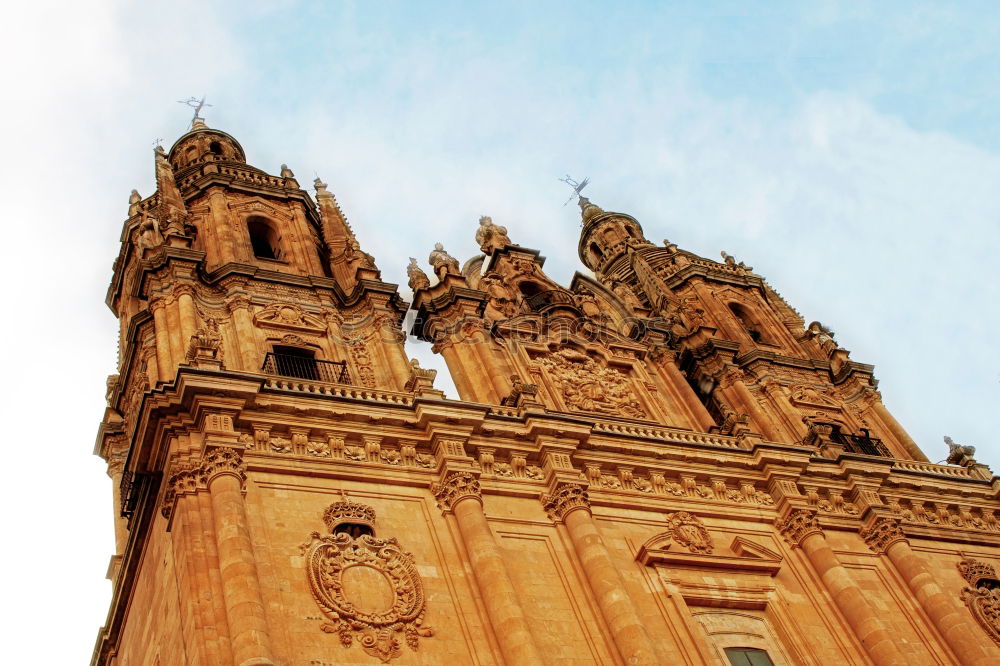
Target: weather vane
x=195, y=103
x=577, y=187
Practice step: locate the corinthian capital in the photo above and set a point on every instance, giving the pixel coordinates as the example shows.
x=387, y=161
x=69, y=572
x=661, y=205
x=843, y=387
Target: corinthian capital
x=882, y=533
x=182, y=480
x=223, y=460
x=566, y=498
x=456, y=487
x=797, y=525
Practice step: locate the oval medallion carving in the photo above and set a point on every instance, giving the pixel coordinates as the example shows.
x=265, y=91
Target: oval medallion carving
x=367, y=588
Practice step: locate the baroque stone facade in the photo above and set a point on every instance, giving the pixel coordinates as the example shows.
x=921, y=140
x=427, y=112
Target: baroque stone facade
x=659, y=463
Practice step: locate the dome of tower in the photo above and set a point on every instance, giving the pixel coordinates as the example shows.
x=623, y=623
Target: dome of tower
x=606, y=235
x=203, y=144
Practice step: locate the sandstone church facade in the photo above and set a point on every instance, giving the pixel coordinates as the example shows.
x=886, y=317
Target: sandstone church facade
x=660, y=463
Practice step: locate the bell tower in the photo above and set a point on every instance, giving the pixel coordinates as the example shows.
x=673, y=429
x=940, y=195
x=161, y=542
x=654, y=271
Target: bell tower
x=654, y=464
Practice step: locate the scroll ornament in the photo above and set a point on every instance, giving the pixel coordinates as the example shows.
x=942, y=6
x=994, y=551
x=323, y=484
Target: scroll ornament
x=368, y=588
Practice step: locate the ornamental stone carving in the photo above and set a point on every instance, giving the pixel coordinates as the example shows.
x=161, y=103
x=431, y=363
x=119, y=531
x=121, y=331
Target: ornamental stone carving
x=797, y=525
x=456, y=487
x=587, y=386
x=290, y=316
x=687, y=530
x=368, y=588
x=417, y=279
x=567, y=497
x=881, y=534
x=983, y=595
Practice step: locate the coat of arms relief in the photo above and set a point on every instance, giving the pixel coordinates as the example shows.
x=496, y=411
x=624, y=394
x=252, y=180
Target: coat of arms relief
x=368, y=588
x=588, y=386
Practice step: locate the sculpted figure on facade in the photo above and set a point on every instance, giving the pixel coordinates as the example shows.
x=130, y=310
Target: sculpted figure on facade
x=491, y=237
x=587, y=386
x=959, y=454
x=149, y=232
x=417, y=278
x=823, y=337
x=442, y=262
x=501, y=297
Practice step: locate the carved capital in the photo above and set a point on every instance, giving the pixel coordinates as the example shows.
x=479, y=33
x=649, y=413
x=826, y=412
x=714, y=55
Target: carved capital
x=239, y=302
x=223, y=460
x=882, y=533
x=567, y=498
x=183, y=480
x=797, y=525
x=456, y=487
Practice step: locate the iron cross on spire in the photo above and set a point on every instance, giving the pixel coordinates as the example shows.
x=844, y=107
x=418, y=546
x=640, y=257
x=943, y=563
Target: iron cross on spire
x=577, y=187
x=196, y=104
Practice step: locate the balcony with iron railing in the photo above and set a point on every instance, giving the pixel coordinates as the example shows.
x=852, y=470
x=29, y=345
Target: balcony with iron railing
x=864, y=443
x=304, y=367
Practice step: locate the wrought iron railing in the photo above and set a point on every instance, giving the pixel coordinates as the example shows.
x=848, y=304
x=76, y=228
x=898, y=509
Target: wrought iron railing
x=864, y=444
x=303, y=367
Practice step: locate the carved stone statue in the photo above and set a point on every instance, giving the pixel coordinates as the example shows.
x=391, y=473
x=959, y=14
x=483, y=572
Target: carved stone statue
x=959, y=454
x=418, y=279
x=501, y=303
x=491, y=237
x=357, y=257
x=823, y=337
x=443, y=263
x=149, y=233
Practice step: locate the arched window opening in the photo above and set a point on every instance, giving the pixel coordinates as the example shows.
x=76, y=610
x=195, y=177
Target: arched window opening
x=263, y=239
x=192, y=154
x=596, y=253
x=743, y=315
x=742, y=656
x=215, y=148
x=529, y=289
x=354, y=530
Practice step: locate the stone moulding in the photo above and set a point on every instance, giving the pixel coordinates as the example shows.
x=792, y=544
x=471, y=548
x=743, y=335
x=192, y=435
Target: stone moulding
x=368, y=588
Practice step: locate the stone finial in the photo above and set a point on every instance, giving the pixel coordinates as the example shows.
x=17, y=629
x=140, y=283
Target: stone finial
x=320, y=186
x=286, y=172
x=134, y=197
x=588, y=210
x=417, y=277
x=443, y=263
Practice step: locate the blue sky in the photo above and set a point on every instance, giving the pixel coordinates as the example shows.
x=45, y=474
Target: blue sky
x=850, y=152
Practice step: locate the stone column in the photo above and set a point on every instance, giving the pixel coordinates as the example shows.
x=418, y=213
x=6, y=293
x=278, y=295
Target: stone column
x=188, y=316
x=801, y=529
x=732, y=383
x=460, y=494
x=893, y=426
x=239, y=307
x=884, y=536
x=570, y=505
x=164, y=369
x=225, y=473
